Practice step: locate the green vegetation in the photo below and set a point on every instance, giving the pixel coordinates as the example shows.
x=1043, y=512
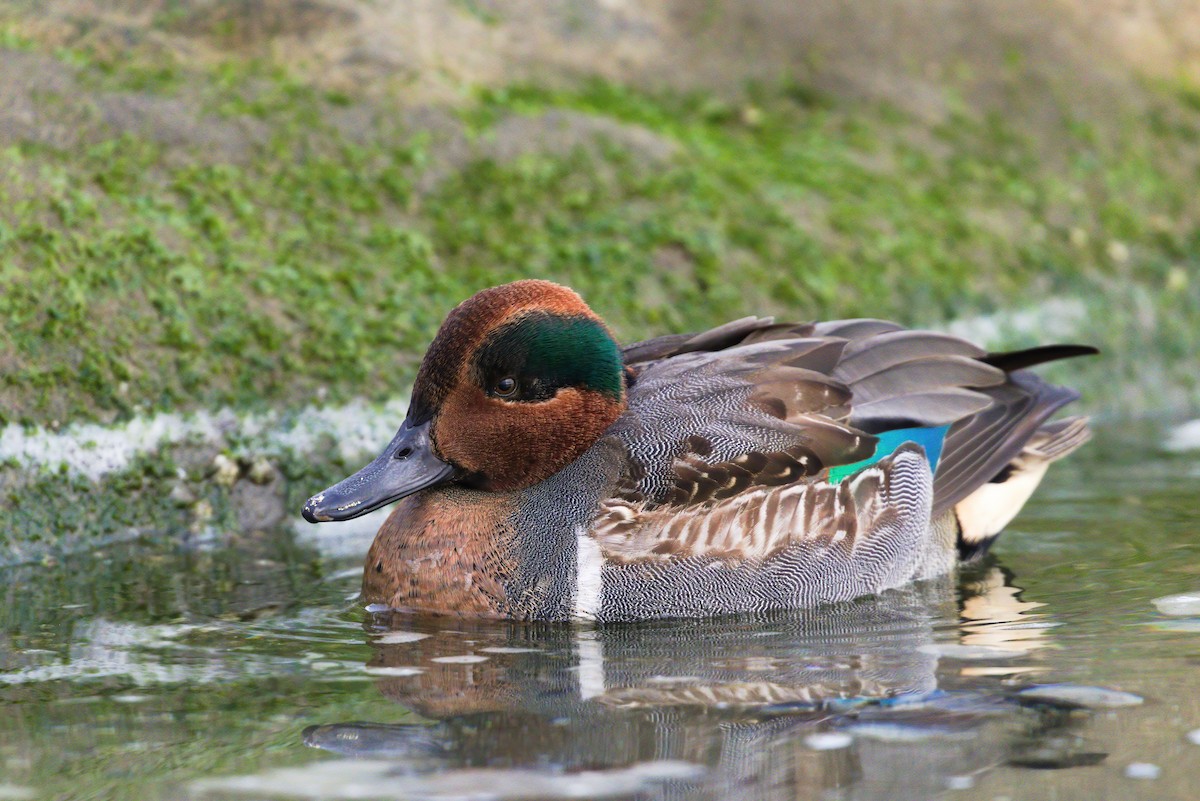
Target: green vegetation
x=316, y=261
x=169, y=497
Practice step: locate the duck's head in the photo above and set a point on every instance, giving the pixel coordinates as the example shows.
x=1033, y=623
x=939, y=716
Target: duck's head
x=520, y=380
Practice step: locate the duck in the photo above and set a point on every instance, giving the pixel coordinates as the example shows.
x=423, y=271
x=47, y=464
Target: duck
x=544, y=472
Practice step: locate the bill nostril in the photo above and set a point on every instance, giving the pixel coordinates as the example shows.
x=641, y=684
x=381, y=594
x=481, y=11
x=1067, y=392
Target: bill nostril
x=403, y=453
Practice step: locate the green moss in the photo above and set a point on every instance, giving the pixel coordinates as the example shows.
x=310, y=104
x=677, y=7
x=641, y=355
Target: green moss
x=13, y=38
x=134, y=275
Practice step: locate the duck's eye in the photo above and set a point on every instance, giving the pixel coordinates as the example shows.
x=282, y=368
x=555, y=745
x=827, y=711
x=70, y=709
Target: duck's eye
x=506, y=386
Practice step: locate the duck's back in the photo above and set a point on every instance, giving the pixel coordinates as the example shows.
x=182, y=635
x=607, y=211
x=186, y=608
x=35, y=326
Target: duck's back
x=769, y=466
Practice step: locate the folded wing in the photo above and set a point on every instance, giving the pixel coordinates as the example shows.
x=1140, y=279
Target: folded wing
x=754, y=404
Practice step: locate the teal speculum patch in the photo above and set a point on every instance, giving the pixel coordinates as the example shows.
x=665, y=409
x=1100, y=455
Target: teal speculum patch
x=931, y=439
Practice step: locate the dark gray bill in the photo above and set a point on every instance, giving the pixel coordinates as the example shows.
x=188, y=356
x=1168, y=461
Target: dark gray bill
x=406, y=465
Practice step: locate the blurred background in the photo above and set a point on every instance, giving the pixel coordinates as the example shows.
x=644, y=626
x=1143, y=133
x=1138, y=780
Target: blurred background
x=228, y=230
x=274, y=202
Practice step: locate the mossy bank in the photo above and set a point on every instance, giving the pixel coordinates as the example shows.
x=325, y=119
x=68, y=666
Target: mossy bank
x=193, y=236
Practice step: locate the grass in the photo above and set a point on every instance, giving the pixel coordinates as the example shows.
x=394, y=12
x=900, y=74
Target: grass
x=136, y=275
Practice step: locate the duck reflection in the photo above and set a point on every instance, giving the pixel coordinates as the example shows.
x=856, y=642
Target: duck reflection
x=857, y=698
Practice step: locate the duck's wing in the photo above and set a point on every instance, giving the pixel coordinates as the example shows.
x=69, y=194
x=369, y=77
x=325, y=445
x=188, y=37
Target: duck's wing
x=769, y=411
x=724, y=336
x=903, y=379
x=755, y=404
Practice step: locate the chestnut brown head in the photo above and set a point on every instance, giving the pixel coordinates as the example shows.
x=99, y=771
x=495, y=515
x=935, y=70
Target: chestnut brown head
x=520, y=380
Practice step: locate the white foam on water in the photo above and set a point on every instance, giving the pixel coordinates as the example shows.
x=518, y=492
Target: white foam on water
x=1185, y=437
x=464, y=659
x=366, y=778
x=94, y=451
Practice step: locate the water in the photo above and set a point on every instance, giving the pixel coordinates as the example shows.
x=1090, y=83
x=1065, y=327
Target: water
x=158, y=671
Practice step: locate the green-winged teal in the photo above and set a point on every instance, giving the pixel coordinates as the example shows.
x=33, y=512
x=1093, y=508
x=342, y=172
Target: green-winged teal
x=548, y=473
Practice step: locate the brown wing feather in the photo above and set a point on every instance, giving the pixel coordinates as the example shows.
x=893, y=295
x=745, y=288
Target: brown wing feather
x=867, y=356
x=855, y=329
x=719, y=338
x=918, y=375
x=755, y=523
x=699, y=482
x=704, y=410
x=753, y=403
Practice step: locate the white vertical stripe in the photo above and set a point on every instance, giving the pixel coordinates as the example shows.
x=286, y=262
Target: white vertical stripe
x=588, y=561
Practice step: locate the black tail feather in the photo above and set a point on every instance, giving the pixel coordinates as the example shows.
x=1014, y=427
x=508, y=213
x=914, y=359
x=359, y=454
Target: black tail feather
x=1020, y=359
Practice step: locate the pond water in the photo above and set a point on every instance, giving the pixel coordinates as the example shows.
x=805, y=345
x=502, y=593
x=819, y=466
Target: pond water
x=153, y=670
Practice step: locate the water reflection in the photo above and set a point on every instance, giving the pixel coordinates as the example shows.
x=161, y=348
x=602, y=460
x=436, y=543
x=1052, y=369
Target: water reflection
x=162, y=670
x=901, y=695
